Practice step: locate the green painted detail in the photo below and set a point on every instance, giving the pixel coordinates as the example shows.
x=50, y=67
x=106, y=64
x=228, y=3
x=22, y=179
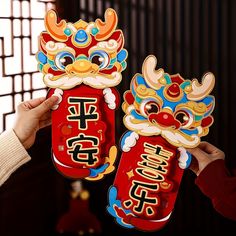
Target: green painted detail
x=94, y=31
x=138, y=99
x=197, y=118
x=67, y=32
x=184, y=84
x=167, y=78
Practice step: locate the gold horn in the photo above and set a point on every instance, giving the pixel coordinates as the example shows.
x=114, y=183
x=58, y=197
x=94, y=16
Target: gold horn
x=199, y=91
x=152, y=75
x=106, y=28
x=56, y=30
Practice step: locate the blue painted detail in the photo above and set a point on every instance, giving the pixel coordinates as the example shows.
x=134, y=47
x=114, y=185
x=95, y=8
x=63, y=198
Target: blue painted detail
x=124, y=137
x=113, y=201
x=67, y=32
x=172, y=105
x=169, y=104
x=94, y=31
x=133, y=90
x=121, y=56
x=140, y=80
x=137, y=116
x=81, y=37
x=188, y=162
x=189, y=132
x=159, y=92
x=101, y=169
x=54, y=67
x=209, y=101
x=42, y=58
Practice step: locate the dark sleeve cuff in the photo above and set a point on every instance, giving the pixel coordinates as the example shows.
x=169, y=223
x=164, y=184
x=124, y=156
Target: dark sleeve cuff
x=212, y=179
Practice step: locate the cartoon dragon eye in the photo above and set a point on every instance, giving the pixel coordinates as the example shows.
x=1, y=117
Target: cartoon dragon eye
x=63, y=59
x=149, y=106
x=100, y=58
x=184, y=118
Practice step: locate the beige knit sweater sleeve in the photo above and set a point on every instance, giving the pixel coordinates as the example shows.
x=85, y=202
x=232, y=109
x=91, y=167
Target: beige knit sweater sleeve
x=12, y=154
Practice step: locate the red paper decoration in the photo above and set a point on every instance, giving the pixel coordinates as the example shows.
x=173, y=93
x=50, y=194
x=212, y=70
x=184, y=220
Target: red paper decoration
x=83, y=136
x=82, y=63
x=164, y=114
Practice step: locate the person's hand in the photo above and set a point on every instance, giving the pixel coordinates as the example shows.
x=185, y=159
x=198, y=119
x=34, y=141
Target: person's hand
x=203, y=155
x=31, y=116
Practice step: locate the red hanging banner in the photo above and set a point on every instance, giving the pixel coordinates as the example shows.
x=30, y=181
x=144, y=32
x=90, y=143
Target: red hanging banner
x=82, y=63
x=164, y=114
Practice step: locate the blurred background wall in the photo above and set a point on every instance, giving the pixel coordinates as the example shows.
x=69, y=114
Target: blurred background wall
x=187, y=37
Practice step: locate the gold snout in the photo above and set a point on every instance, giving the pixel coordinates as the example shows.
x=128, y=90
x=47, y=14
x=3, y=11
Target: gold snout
x=81, y=67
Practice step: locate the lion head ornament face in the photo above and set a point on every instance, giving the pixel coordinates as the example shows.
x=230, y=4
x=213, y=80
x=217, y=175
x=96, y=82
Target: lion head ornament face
x=167, y=105
x=90, y=53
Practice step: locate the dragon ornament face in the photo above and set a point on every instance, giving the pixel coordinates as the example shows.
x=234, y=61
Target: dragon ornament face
x=75, y=53
x=167, y=105
x=164, y=114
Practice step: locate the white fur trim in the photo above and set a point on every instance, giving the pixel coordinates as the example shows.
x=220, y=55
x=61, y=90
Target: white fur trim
x=130, y=142
x=110, y=98
x=183, y=158
x=58, y=93
x=95, y=81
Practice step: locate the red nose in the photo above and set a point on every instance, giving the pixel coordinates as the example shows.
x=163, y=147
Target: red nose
x=164, y=119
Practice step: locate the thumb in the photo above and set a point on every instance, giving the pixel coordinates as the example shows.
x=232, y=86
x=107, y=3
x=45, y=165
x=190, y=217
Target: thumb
x=45, y=106
x=198, y=153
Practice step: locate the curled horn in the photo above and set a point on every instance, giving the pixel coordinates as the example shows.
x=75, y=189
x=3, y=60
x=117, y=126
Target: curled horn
x=106, y=28
x=151, y=75
x=199, y=91
x=56, y=30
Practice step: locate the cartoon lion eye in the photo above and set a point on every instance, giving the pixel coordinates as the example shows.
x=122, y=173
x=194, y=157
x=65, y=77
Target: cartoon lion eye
x=100, y=58
x=63, y=59
x=184, y=117
x=149, y=106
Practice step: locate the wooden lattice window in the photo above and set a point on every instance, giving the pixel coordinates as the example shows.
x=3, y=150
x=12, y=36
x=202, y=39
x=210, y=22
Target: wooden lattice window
x=21, y=21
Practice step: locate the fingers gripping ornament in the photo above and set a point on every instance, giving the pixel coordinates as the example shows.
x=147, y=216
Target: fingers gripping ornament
x=164, y=114
x=82, y=63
